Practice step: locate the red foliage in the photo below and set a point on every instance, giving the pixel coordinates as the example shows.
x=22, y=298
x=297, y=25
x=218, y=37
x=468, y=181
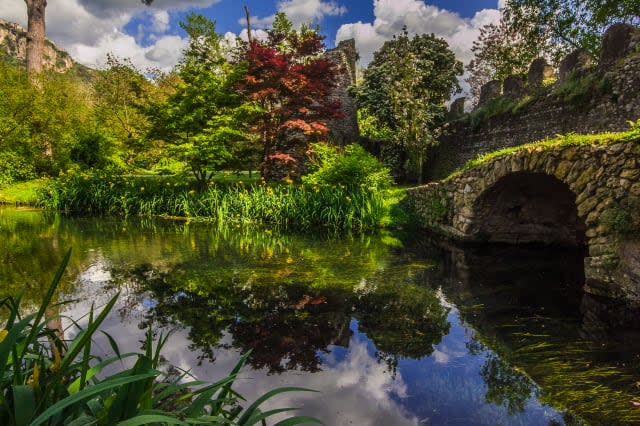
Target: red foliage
x=292, y=84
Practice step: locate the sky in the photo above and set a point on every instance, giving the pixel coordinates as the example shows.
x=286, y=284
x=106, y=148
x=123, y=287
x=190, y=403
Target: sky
x=151, y=36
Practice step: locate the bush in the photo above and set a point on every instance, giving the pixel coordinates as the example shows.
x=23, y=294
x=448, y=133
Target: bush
x=352, y=169
x=94, y=150
x=15, y=168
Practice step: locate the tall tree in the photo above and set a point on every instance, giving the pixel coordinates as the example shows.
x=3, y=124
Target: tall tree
x=405, y=88
x=35, y=37
x=204, y=120
x=291, y=83
x=569, y=23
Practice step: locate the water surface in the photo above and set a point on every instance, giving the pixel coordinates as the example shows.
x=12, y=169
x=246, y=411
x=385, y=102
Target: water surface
x=391, y=329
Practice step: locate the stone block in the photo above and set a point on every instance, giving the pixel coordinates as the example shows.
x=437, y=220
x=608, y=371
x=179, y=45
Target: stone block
x=513, y=87
x=575, y=63
x=618, y=41
x=456, y=110
x=489, y=91
x=539, y=71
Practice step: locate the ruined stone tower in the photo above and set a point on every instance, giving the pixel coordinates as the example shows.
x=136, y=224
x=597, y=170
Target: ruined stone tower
x=345, y=130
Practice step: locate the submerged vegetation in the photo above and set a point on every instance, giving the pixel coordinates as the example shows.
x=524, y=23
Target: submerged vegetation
x=49, y=380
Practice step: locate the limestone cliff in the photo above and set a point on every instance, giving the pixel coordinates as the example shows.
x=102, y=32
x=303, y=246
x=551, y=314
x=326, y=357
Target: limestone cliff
x=13, y=42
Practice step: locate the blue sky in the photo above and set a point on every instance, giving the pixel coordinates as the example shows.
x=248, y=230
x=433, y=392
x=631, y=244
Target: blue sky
x=151, y=37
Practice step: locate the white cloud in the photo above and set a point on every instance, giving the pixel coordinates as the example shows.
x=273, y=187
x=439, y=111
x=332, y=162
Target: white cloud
x=301, y=12
x=160, y=21
x=419, y=18
x=89, y=29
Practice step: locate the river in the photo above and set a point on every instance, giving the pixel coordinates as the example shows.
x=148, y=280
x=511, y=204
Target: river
x=390, y=328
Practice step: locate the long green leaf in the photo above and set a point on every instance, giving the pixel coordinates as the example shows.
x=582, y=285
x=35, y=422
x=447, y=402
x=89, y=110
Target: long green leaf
x=298, y=420
x=24, y=404
x=253, y=407
x=75, y=385
x=146, y=419
x=46, y=301
x=88, y=393
x=85, y=335
x=7, y=344
x=259, y=415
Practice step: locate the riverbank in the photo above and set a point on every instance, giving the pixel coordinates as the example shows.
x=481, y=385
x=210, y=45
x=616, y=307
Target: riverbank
x=300, y=207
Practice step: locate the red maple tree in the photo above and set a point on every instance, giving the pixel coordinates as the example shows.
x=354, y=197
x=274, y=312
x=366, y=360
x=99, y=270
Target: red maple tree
x=292, y=83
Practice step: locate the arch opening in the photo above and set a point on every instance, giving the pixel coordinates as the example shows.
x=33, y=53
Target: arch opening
x=529, y=208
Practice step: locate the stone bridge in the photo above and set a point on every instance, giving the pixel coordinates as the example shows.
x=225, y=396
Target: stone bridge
x=583, y=195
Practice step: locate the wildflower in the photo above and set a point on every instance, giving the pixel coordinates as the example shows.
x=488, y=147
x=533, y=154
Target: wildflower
x=142, y=189
x=193, y=191
x=3, y=334
x=34, y=379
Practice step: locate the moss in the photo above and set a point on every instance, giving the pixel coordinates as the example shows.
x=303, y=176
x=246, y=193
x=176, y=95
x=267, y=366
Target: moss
x=623, y=219
x=435, y=207
x=495, y=107
x=579, y=92
x=571, y=139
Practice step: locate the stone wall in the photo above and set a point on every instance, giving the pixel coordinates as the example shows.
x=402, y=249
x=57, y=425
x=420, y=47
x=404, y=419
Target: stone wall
x=13, y=41
x=345, y=130
x=571, y=195
x=589, y=99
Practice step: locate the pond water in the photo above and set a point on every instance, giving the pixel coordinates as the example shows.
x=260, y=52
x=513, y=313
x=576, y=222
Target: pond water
x=391, y=329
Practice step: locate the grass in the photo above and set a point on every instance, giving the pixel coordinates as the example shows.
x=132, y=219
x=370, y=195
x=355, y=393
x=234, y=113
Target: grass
x=300, y=207
x=21, y=193
x=569, y=140
x=47, y=380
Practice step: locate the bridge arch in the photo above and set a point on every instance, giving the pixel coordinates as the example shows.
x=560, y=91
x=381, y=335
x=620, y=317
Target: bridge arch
x=528, y=207
x=557, y=195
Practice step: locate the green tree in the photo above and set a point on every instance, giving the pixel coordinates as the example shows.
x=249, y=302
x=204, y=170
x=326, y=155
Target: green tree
x=499, y=52
x=569, y=24
x=405, y=87
x=204, y=119
x=121, y=92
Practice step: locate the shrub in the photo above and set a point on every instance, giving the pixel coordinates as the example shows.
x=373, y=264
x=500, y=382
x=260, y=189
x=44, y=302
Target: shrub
x=353, y=168
x=15, y=168
x=94, y=150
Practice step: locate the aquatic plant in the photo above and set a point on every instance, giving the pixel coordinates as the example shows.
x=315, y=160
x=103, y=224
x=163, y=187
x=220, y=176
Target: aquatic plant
x=48, y=380
x=286, y=206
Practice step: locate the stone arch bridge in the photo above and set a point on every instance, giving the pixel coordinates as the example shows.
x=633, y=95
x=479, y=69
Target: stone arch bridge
x=581, y=196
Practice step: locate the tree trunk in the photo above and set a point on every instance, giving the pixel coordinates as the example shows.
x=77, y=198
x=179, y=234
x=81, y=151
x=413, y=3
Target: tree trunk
x=35, y=38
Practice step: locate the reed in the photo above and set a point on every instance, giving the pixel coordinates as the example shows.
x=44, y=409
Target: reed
x=285, y=206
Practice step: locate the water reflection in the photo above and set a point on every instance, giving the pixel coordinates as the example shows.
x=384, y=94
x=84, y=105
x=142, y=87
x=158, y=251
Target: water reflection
x=391, y=334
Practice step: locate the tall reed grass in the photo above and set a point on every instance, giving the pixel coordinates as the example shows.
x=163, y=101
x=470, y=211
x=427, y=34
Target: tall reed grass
x=287, y=206
x=47, y=380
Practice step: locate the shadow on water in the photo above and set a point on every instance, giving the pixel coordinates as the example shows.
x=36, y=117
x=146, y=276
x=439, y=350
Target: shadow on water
x=392, y=329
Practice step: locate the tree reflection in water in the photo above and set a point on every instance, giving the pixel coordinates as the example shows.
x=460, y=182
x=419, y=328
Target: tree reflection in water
x=289, y=324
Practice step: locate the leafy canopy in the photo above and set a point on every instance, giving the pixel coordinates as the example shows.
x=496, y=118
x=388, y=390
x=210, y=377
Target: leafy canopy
x=204, y=120
x=405, y=87
x=569, y=24
x=291, y=83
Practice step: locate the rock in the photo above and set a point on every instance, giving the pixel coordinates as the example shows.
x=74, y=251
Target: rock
x=489, y=91
x=619, y=40
x=575, y=64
